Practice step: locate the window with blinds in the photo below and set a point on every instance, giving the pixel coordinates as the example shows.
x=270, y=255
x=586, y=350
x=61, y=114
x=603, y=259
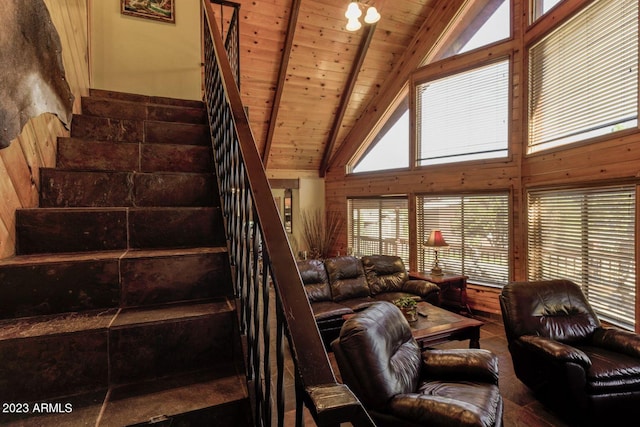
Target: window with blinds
x=583, y=77
x=379, y=226
x=475, y=226
x=464, y=116
x=587, y=236
x=540, y=7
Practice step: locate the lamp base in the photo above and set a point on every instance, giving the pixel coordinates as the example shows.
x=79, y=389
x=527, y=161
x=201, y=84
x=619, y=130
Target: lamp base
x=436, y=271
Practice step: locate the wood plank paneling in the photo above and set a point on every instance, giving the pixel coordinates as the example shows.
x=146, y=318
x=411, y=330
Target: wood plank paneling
x=35, y=147
x=483, y=298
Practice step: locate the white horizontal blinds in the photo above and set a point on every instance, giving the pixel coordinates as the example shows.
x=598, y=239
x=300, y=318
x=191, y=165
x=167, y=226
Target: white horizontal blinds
x=476, y=227
x=379, y=226
x=464, y=116
x=587, y=236
x=583, y=77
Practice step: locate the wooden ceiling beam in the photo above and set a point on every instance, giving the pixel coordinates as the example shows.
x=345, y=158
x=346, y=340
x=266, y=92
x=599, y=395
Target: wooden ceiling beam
x=346, y=96
x=282, y=74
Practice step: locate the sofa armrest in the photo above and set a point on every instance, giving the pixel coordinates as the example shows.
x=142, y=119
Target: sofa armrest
x=421, y=288
x=461, y=364
x=618, y=340
x=553, y=350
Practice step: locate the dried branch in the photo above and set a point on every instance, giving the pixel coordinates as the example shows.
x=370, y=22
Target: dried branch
x=320, y=232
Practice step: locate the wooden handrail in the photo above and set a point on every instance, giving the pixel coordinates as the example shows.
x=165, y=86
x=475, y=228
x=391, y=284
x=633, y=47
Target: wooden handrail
x=262, y=257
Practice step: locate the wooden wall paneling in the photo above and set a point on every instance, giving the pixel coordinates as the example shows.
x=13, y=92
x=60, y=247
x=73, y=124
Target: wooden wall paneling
x=19, y=172
x=613, y=159
x=36, y=146
x=8, y=204
x=483, y=298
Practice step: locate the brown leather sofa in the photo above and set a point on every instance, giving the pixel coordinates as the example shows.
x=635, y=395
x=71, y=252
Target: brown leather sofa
x=347, y=284
x=381, y=362
x=588, y=373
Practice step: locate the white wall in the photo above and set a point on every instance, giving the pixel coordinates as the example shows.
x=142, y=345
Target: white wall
x=144, y=56
x=309, y=197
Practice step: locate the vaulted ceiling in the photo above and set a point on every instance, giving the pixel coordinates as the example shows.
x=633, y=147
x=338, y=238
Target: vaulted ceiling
x=307, y=82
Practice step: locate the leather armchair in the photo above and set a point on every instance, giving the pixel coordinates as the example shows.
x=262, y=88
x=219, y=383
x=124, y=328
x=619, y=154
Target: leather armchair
x=381, y=362
x=588, y=373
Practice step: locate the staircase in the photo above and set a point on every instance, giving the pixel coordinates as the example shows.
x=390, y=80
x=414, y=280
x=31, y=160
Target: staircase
x=118, y=308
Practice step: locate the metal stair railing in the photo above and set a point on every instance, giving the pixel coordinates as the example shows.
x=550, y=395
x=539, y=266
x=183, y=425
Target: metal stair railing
x=269, y=291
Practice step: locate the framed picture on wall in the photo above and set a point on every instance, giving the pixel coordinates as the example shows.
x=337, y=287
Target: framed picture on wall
x=160, y=10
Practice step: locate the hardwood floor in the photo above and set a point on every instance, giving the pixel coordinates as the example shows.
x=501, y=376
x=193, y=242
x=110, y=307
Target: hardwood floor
x=521, y=409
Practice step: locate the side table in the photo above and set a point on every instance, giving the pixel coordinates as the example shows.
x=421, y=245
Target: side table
x=453, y=288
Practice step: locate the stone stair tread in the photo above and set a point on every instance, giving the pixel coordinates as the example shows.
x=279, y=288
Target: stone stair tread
x=19, y=260
x=152, y=400
x=148, y=253
x=31, y=259
x=151, y=99
x=141, y=402
x=65, y=323
x=138, y=316
x=28, y=327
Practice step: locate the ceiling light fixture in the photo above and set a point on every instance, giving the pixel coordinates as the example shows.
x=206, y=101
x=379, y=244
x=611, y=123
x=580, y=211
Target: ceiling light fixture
x=354, y=12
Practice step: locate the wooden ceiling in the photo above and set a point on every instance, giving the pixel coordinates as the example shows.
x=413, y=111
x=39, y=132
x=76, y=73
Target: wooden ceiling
x=307, y=81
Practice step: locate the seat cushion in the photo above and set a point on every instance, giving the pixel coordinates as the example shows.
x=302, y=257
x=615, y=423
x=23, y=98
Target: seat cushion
x=385, y=273
x=346, y=278
x=315, y=280
x=439, y=403
x=611, y=372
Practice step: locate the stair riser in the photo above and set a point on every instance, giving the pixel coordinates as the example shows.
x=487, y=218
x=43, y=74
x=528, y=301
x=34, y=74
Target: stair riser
x=44, y=288
x=158, y=280
x=155, y=350
x=38, y=368
x=119, y=189
x=40, y=289
x=106, y=129
x=81, y=154
x=136, y=111
x=57, y=230
x=50, y=366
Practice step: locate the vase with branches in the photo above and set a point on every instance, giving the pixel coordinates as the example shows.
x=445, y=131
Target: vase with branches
x=320, y=232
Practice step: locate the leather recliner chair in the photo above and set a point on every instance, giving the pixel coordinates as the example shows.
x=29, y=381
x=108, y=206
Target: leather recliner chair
x=381, y=362
x=588, y=373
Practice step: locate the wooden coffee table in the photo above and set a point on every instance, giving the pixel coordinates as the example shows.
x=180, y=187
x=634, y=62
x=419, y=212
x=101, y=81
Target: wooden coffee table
x=441, y=326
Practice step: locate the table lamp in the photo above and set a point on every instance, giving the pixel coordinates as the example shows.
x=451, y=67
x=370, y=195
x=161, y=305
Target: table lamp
x=436, y=241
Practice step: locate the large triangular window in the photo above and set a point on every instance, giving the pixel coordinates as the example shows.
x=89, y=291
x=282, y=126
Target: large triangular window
x=390, y=148
x=488, y=23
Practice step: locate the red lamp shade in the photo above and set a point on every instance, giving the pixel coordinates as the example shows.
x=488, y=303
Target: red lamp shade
x=436, y=240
